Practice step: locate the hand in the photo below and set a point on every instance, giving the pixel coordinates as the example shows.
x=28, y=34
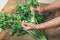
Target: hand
x=28, y=26
x=38, y=9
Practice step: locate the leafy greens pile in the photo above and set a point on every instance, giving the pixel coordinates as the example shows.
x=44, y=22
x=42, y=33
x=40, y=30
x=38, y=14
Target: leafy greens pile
x=23, y=12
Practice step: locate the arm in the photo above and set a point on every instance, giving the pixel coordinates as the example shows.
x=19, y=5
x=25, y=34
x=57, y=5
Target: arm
x=50, y=24
x=51, y=7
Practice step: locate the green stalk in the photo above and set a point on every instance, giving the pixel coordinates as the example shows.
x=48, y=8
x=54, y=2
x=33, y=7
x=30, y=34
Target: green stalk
x=32, y=34
x=36, y=33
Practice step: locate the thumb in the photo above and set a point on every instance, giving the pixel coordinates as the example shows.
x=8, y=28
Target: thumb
x=32, y=8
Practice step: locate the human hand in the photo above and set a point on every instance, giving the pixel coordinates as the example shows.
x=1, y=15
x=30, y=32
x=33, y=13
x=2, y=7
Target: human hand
x=32, y=26
x=46, y=25
x=28, y=26
x=38, y=9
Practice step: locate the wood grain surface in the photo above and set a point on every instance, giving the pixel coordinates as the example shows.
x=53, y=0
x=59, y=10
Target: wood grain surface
x=52, y=34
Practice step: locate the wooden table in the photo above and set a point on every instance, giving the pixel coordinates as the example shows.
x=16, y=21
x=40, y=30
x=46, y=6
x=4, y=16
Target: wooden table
x=4, y=34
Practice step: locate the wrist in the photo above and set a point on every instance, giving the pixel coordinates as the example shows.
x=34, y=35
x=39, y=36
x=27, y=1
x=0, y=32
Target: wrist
x=41, y=26
x=45, y=9
x=37, y=26
x=44, y=25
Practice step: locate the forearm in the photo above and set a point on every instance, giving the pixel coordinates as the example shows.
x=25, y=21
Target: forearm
x=50, y=24
x=53, y=6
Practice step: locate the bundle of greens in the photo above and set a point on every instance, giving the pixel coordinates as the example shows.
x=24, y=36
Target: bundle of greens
x=23, y=12
x=9, y=21
x=31, y=16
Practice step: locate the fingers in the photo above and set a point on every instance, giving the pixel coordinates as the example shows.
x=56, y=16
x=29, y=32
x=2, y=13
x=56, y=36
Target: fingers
x=32, y=8
x=24, y=21
x=38, y=9
x=25, y=25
